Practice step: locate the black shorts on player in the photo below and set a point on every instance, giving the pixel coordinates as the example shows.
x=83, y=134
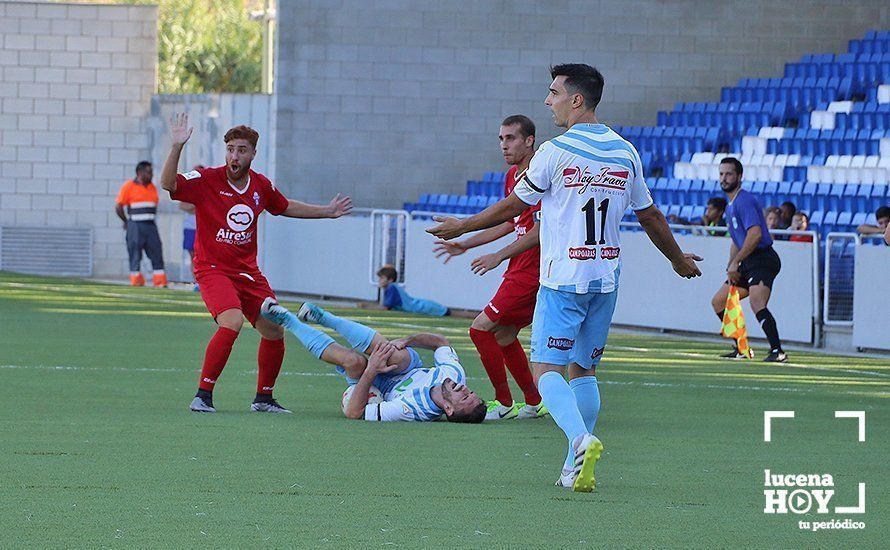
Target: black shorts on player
x=760, y=267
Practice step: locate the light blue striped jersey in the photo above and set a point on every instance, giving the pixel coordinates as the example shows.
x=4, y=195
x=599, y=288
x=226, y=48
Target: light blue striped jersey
x=407, y=396
x=585, y=179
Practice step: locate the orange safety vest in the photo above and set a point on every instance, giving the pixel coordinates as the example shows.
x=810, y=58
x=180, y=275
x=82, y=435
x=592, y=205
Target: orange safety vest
x=141, y=201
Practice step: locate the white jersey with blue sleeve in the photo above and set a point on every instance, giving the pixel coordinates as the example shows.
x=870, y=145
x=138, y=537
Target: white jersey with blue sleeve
x=585, y=179
x=408, y=397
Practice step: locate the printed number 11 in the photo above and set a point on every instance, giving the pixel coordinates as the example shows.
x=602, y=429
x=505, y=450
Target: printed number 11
x=591, y=209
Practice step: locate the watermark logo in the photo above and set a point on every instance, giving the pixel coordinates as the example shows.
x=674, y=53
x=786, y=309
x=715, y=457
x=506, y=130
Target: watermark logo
x=809, y=493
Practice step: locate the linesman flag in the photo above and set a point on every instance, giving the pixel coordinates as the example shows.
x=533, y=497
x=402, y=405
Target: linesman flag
x=734, y=323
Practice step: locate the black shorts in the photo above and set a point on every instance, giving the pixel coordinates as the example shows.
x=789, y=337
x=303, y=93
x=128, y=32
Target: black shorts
x=761, y=267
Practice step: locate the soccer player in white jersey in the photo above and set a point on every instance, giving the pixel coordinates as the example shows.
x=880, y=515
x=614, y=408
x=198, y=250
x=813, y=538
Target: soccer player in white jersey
x=410, y=392
x=585, y=179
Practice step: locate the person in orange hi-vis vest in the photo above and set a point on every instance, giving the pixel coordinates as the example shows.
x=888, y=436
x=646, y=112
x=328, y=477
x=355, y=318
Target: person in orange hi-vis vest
x=137, y=206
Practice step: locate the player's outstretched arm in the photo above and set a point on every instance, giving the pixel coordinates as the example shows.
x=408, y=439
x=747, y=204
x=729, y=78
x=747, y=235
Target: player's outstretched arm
x=425, y=340
x=179, y=134
x=456, y=248
x=659, y=233
x=484, y=264
x=339, y=206
x=499, y=212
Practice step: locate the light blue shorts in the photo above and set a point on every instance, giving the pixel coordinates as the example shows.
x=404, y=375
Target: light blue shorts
x=387, y=381
x=571, y=328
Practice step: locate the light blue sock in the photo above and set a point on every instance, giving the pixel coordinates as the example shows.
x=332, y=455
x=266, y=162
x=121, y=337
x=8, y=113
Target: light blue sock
x=313, y=339
x=587, y=394
x=560, y=401
x=358, y=335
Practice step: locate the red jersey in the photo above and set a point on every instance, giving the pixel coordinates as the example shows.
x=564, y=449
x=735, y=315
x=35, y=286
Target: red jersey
x=525, y=267
x=226, y=235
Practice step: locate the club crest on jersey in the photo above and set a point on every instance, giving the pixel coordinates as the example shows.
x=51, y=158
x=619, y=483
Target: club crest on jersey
x=564, y=344
x=256, y=198
x=582, y=253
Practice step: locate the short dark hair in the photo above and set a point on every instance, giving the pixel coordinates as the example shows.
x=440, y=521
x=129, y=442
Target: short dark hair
x=802, y=213
x=474, y=416
x=144, y=164
x=582, y=79
x=883, y=212
x=736, y=163
x=526, y=126
x=717, y=202
x=242, y=132
x=389, y=272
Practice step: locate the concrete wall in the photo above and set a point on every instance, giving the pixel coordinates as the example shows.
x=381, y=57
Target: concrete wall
x=387, y=99
x=75, y=87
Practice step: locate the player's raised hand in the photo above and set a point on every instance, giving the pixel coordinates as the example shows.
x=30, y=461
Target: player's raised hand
x=179, y=128
x=448, y=249
x=484, y=264
x=686, y=267
x=340, y=206
x=448, y=228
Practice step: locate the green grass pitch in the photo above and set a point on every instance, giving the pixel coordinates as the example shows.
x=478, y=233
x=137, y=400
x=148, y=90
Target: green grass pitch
x=98, y=449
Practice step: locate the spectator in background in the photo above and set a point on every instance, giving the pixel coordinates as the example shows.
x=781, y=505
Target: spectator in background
x=773, y=216
x=713, y=216
x=887, y=235
x=787, y=210
x=395, y=297
x=800, y=222
x=883, y=216
x=140, y=198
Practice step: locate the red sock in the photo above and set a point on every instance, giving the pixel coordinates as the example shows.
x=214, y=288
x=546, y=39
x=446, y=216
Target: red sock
x=269, y=359
x=215, y=357
x=493, y=361
x=517, y=362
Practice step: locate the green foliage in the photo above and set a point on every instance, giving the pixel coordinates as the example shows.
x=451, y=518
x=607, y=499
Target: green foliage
x=208, y=46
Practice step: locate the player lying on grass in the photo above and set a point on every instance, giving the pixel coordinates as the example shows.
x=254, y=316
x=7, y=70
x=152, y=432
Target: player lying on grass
x=410, y=392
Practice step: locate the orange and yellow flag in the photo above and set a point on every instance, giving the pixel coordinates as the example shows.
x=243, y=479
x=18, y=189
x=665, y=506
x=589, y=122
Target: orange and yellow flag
x=734, y=323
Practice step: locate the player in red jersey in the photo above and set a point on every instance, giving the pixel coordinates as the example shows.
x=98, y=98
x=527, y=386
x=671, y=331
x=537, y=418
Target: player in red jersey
x=494, y=331
x=228, y=201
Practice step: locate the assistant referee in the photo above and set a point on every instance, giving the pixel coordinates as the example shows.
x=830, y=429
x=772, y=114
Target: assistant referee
x=753, y=263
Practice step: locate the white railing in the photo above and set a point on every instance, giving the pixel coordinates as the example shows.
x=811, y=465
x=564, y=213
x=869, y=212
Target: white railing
x=838, y=282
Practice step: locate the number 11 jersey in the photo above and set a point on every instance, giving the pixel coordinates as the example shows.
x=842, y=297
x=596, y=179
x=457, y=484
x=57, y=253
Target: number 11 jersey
x=585, y=180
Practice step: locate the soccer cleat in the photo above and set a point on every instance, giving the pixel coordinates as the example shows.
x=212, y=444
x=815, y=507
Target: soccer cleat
x=588, y=450
x=201, y=406
x=159, y=280
x=269, y=407
x=734, y=354
x=274, y=312
x=137, y=279
x=310, y=312
x=532, y=411
x=496, y=411
x=566, y=479
x=776, y=356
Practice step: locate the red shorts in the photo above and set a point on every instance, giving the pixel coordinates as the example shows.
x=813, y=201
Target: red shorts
x=513, y=304
x=244, y=291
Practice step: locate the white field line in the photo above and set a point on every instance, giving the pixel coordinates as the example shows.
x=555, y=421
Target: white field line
x=65, y=368
x=442, y=330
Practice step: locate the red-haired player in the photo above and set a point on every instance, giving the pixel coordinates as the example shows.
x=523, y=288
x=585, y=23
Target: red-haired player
x=228, y=200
